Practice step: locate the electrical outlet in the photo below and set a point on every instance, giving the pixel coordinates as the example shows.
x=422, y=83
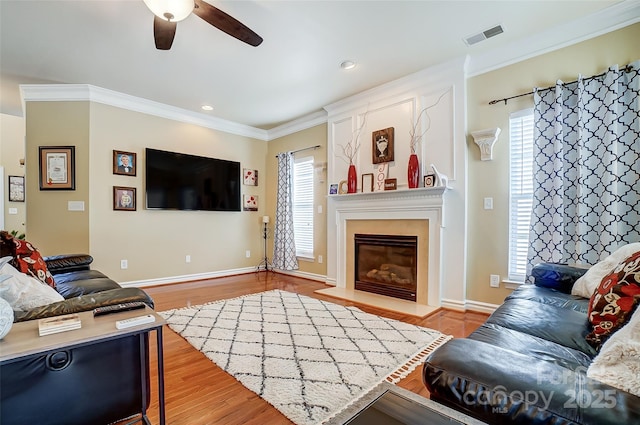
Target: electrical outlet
x=247, y=254
x=319, y=259
x=488, y=203
x=124, y=264
x=494, y=281
x=187, y=258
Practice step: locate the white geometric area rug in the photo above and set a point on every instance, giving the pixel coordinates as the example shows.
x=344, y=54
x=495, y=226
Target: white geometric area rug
x=308, y=358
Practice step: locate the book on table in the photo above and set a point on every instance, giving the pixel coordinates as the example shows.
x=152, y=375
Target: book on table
x=52, y=325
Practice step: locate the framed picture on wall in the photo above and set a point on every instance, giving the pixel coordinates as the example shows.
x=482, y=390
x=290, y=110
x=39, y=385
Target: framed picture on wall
x=250, y=177
x=250, y=202
x=57, y=167
x=124, y=198
x=16, y=188
x=382, y=145
x=124, y=163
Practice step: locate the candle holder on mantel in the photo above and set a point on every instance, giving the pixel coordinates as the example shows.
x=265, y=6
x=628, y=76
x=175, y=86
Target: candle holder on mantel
x=265, y=264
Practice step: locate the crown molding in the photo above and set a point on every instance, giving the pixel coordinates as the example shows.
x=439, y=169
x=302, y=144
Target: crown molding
x=86, y=92
x=302, y=123
x=607, y=20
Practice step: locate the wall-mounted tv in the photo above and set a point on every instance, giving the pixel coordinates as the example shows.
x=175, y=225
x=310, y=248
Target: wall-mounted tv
x=177, y=181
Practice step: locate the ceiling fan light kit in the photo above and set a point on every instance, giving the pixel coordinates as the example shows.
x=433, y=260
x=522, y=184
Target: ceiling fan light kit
x=170, y=10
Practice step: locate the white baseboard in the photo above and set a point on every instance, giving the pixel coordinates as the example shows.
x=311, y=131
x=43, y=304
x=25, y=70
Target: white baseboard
x=304, y=275
x=186, y=278
x=467, y=305
x=480, y=306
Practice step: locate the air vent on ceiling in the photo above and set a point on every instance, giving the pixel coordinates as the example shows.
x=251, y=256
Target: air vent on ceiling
x=477, y=38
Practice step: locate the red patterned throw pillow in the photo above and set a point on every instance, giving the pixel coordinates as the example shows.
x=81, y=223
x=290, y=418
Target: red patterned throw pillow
x=29, y=261
x=614, y=301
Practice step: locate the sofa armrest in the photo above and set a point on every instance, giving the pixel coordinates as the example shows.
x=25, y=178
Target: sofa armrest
x=86, y=303
x=68, y=263
x=500, y=386
x=560, y=277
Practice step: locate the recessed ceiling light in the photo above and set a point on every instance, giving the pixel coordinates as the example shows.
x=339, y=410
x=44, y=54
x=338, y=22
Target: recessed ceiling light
x=207, y=108
x=348, y=65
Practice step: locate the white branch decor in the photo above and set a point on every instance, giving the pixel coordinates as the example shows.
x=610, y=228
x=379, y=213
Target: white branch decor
x=350, y=150
x=415, y=138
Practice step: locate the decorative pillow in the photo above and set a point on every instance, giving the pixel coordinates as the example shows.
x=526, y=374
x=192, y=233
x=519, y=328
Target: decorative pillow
x=615, y=300
x=586, y=285
x=29, y=261
x=24, y=292
x=618, y=363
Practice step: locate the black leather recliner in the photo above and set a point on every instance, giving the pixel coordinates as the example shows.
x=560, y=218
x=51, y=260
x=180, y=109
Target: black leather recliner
x=93, y=384
x=527, y=363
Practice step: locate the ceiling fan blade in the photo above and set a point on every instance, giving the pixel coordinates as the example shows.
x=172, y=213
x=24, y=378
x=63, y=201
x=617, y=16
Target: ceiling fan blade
x=163, y=32
x=226, y=23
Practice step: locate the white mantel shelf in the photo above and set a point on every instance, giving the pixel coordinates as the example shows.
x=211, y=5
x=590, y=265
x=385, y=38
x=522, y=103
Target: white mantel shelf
x=390, y=194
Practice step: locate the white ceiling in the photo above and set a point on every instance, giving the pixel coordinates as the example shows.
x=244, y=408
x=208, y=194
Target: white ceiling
x=294, y=72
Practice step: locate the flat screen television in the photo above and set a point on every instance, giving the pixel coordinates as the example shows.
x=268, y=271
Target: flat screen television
x=177, y=181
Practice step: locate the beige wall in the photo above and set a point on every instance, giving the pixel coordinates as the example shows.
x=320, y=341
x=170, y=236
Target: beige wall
x=488, y=229
x=50, y=226
x=313, y=136
x=153, y=242
x=11, y=151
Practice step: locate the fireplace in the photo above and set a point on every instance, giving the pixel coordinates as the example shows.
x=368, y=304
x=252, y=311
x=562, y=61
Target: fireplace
x=386, y=265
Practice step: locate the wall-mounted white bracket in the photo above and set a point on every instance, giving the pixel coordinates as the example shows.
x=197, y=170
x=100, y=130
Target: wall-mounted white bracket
x=485, y=139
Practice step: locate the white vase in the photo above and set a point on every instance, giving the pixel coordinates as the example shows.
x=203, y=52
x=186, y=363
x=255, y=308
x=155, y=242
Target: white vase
x=6, y=318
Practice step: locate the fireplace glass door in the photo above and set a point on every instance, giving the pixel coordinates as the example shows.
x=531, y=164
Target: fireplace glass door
x=386, y=265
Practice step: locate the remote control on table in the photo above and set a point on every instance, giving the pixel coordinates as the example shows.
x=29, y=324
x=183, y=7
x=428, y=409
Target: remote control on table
x=135, y=321
x=115, y=308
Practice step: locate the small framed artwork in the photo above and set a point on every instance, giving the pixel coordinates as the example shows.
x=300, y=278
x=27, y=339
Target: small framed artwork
x=57, y=167
x=333, y=189
x=390, y=184
x=124, y=163
x=382, y=145
x=124, y=198
x=430, y=180
x=16, y=188
x=367, y=183
x=250, y=202
x=250, y=177
x=342, y=187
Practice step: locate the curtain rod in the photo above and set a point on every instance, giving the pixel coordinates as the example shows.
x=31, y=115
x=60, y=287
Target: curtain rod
x=304, y=149
x=493, y=102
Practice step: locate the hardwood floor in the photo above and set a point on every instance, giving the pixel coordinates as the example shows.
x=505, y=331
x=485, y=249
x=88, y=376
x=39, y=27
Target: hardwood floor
x=197, y=392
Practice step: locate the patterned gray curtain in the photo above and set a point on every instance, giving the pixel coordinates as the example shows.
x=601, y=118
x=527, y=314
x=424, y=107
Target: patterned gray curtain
x=284, y=250
x=586, y=200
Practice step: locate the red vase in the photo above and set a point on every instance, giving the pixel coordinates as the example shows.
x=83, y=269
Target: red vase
x=352, y=179
x=413, y=171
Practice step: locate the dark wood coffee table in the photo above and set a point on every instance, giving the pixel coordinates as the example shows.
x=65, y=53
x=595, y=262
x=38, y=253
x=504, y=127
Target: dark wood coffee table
x=388, y=404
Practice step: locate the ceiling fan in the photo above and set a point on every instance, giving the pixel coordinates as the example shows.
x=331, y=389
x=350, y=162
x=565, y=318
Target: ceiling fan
x=169, y=12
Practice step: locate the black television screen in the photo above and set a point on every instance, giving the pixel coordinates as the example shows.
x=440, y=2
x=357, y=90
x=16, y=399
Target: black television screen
x=177, y=181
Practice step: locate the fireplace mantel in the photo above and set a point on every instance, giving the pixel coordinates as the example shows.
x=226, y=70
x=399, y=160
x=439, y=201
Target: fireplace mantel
x=411, y=204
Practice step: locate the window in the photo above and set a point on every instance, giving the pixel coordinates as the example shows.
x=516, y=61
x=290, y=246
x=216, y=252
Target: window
x=520, y=191
x=303, y=206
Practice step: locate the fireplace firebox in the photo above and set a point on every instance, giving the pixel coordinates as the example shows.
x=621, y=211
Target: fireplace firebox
x=386, y=265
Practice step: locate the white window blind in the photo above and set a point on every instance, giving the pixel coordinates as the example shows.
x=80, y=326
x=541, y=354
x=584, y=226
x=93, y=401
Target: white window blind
x=303, y=206
x=520, y=190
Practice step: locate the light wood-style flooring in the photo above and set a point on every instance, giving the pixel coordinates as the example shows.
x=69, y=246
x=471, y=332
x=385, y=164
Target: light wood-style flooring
x=197, y=392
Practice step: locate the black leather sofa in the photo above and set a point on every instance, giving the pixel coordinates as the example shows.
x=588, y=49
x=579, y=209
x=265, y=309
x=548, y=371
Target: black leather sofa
x=90, y=384
x=527, y=363
x=82, y=288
